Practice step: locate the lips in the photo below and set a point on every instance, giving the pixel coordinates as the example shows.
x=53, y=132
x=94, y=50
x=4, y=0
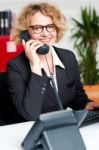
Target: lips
x=45, y=40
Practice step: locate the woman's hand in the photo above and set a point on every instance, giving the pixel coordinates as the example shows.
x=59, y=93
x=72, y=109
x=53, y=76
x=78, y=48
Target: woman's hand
x=92, y=106
x=30, y=50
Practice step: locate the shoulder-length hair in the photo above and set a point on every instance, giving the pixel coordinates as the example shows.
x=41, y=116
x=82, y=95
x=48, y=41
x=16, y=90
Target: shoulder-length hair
x=23, y=20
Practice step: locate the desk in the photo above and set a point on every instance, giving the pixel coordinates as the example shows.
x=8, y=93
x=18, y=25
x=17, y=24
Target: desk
x=11, y=136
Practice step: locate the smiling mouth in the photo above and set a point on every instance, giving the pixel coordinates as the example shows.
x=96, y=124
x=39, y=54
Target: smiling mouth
x=45, y=40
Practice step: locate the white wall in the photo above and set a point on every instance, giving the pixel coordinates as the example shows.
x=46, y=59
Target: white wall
x=66, y=5
x=71, y=8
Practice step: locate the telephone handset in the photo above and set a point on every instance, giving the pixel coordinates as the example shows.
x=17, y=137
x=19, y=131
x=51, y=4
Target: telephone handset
x=41, y=50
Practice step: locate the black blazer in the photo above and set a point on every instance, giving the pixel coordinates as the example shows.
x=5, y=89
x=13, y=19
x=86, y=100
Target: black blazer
x=32, y=94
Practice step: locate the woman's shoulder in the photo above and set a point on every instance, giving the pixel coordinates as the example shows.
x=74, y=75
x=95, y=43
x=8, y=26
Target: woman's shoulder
x=64, y=52
x=18, y=59
x=19, y=62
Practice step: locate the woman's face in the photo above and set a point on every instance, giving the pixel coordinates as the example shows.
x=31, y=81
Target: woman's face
x=43, y=29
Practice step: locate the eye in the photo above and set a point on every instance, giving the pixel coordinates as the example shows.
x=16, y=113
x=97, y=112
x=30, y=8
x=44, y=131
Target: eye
x=51, y=27
x=37, y=28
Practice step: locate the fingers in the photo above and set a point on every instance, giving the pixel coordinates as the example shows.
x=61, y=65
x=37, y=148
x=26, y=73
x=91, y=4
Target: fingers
x=32, y=45
x=92, y=106
x=96, y=105
x=35, y=45
x=89, y=107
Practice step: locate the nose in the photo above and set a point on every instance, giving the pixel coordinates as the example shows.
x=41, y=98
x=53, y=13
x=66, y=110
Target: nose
x=45, y=32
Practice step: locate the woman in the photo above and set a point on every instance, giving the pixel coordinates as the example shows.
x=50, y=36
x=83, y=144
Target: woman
x=29, y=74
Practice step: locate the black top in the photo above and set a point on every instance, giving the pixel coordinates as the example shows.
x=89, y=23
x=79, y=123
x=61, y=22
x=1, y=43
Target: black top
x=32, y=94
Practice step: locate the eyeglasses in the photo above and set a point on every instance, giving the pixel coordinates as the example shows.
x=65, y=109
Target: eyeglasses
x=39, y=28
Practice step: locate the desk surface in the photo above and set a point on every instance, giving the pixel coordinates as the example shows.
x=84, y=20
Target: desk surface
x=11, y=136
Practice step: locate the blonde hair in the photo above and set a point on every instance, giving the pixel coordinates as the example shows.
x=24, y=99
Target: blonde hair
x=23, y=20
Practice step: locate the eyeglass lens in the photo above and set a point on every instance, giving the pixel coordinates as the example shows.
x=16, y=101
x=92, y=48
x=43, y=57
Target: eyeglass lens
x=39, y=28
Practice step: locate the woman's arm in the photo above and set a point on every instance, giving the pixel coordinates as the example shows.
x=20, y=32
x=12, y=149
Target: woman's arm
x=27, y=96
x=81, y=99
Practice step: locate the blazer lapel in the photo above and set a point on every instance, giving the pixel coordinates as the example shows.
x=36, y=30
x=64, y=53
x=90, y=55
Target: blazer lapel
x=61, y=80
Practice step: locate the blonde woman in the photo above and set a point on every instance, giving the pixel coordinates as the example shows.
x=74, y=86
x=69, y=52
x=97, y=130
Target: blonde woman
x=29, y=74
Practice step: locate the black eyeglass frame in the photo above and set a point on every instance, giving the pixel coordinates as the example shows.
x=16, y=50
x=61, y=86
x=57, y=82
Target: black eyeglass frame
x=42, y=28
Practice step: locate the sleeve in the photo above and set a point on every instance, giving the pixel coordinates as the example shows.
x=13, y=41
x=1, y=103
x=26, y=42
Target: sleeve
x=27, y=97
x=81, y=99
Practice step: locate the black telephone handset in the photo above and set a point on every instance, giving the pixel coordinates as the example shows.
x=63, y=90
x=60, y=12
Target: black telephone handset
x=41, y=50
